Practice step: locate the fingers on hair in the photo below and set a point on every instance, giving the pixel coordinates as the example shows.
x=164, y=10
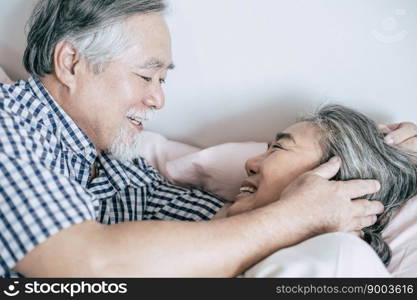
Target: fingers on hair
x=360, y=187
x=364, y=208
x=329, y=169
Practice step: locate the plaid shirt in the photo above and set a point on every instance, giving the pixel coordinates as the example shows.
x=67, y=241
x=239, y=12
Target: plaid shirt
x=45, y=162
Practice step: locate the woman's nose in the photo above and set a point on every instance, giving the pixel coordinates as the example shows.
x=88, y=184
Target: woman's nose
x=253, y=164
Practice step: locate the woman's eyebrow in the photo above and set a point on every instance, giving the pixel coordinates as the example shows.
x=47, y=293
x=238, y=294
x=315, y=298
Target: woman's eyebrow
x=283, y=135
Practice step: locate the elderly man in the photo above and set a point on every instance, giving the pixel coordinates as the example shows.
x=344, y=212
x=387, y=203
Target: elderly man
x=74, y=199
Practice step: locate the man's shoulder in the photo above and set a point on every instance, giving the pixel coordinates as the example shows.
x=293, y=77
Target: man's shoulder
x=21, y=125
x=8, y=89
x=5, y=94
x=8, y=104
x=17, y=98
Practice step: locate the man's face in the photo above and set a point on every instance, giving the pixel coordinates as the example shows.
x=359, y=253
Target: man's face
x=295, y=151
x=114, y=103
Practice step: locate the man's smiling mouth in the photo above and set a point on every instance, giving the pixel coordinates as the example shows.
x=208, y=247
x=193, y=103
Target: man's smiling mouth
x=135, y=121
x=137, y=118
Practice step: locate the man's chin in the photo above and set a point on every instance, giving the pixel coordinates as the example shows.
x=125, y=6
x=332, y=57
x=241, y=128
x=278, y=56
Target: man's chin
x=126, y=148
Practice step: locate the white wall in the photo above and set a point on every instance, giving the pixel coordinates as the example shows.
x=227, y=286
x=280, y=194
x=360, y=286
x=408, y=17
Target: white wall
x=13, y=17
x=247, y=68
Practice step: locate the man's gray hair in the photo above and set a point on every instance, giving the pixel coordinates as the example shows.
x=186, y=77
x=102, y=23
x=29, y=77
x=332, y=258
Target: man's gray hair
x=357, y=141
x=94, y=27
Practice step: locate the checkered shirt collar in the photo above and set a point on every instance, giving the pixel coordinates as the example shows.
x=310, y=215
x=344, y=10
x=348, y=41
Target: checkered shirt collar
x=72, y=135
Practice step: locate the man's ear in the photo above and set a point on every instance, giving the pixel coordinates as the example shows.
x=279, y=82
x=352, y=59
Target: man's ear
x=67, y=64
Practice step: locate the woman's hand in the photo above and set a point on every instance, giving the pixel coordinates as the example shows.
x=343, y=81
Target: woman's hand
x=403, y=135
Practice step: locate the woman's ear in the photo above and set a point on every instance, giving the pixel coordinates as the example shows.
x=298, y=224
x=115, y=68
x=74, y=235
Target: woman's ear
x=68, y=64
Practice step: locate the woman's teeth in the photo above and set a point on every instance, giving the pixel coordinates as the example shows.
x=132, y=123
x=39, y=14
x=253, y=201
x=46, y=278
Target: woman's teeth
x=247, y=189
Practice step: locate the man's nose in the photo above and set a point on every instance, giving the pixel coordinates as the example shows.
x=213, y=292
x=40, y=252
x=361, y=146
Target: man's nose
x=253, y=164
x=156, y=98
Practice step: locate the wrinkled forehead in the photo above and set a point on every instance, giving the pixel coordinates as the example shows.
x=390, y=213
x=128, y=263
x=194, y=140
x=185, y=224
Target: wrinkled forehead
x=304, y=135
x=149, y=25
x=150, y=39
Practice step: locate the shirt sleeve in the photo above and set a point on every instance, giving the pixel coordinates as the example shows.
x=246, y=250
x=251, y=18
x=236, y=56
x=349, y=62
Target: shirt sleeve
x=132, y=191
x=169, y=202
x=166, y=201
x=35, y=203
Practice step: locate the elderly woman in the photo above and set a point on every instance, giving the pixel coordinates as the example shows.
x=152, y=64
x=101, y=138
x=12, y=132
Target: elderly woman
x=333, y=131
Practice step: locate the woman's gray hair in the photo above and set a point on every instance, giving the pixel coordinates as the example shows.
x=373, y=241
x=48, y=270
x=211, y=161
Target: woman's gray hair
x=357, y=141
x=94, y=27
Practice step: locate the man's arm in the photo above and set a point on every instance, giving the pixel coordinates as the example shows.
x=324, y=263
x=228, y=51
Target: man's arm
x=224, y=247
x=160, y=248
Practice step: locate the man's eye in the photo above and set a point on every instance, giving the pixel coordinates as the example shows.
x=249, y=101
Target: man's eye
x=147, y=79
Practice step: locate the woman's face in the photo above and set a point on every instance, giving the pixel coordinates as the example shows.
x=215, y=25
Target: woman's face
x=295, y=151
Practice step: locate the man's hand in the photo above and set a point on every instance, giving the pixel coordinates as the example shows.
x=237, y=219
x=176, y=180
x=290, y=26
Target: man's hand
x=403, y=135
x=328, y=205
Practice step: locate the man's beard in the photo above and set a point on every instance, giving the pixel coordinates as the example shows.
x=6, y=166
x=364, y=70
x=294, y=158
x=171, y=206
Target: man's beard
x=125, y=146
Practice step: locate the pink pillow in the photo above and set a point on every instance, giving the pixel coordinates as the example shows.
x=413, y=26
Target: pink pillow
x=158, y=150
x=219, y=169
x=401, y=235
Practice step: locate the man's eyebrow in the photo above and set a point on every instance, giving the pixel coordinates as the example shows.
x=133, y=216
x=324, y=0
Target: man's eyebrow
x=283, y=135
x=155, y=64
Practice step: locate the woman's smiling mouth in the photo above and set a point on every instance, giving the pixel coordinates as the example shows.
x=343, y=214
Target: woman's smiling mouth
x=247, y=189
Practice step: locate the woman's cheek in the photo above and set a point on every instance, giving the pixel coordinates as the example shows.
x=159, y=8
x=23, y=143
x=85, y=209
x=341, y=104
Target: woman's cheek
x=268, y=196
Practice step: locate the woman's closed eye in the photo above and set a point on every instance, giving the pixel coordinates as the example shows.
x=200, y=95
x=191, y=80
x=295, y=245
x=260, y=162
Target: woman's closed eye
x=272, y=146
